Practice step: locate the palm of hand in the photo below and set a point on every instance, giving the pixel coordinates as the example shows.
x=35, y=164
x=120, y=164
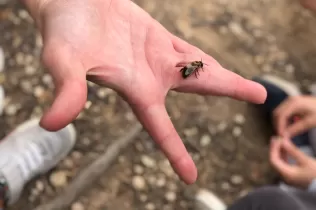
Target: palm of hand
x=117, y=44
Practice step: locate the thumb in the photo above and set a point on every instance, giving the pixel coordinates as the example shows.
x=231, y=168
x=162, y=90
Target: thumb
x=294, y=152
x=71, y=89
x=277, y=160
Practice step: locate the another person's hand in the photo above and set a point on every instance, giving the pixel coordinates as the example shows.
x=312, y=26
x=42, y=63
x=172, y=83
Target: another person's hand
x=302, y=173
x=302, y=106
x=117, y=44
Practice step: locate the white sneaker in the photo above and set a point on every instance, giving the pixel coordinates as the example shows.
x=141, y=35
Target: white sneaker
x=29, y=151
x=206, y=200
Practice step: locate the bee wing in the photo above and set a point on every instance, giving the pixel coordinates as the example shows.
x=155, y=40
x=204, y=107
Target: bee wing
x=182, y=64
x=189, y=70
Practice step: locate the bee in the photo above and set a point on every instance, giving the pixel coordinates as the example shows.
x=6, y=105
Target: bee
x=191, y=68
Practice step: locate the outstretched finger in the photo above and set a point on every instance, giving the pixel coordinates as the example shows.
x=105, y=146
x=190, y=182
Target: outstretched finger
x=215, y=80
x=156, y=121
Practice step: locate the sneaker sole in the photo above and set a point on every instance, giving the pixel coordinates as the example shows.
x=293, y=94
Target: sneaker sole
x=287, y=87
x=210, y=200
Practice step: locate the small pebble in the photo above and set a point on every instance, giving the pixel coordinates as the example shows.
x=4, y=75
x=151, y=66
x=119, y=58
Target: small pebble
x=237, y=132
x=143, y=197
x=148, y=161
x=16, y=42
x=161, y=182
x=35, y=192
x=289, y=68
x=225, y=186
x=236, y=179
x=138, y=169
x=11, y=109
x=39, y=185
x=77, y=206
x=212, y=129
x=88, y=104
x=26, y=86
x=239, y=119
x=30, y=70
x=29, y=59
x=221, y=126
x=58, y=179
x=23, y=14
x=243, y=193
x=150, y=206
x=171, y=196
x=19, y=58
x=76, y=155
x=166, y=168
x=86, y=141
x=68, y=163
x=235, y=28
x=38, y=91
x=103, y=92
x=191, y=131
x=205, y=140
x=151, y=179
x=139, y=182
x=47, y=79
x=39, y=40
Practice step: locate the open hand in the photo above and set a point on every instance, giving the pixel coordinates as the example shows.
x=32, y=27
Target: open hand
x=117, y=44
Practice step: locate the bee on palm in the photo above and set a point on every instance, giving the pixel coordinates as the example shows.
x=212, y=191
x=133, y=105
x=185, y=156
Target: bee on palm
x=190, y=68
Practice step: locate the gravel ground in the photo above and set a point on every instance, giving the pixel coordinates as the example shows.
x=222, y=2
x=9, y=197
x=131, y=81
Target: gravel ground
x=227, y=138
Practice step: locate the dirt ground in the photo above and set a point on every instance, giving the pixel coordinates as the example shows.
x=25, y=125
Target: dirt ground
x=227, y=138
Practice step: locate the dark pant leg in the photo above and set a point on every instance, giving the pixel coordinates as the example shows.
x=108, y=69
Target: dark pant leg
x=273, y=198
x=275, y=96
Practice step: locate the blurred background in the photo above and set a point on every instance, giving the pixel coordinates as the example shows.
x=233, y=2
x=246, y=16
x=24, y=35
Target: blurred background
x=228, y=139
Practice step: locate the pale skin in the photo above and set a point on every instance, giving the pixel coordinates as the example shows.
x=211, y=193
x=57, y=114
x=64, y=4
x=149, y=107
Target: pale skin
x=117, y=44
